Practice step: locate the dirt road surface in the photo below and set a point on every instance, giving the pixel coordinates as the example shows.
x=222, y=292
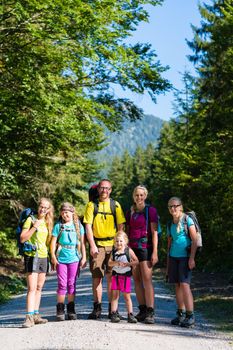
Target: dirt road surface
x=84, y=334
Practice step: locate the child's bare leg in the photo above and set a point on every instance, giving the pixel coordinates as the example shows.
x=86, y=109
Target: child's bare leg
x=115, y=298
x=128, y=302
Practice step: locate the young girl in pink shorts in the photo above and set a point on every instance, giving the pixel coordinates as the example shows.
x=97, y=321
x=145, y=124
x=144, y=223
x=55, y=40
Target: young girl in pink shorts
x=122, y=260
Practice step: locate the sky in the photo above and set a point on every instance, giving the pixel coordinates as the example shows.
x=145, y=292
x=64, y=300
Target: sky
x=168, y=28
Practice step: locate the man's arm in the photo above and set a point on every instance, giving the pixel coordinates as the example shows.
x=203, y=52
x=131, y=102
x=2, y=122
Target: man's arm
x=120, y=218
x=90, y=237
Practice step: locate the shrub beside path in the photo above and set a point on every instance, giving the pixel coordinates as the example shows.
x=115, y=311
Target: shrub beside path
x=102, y=334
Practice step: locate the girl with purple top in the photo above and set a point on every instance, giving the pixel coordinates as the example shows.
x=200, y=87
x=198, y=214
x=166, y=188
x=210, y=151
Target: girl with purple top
x=141, y=227
x=68, y=254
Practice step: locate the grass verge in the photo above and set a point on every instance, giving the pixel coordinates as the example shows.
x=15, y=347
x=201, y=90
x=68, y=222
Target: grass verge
x=10, y=285
x=218, y=310
x=213, y=297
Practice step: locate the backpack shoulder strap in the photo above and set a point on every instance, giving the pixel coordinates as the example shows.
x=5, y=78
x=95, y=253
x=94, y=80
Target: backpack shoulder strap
x=127, y=253
x=113, y=210
x=113, y=253
x=61, y=228
x=147, y=207
x=185, y=222
x=96, y=207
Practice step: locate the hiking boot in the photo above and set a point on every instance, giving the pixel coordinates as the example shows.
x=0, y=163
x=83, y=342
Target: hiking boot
x=60, y=312
x=29, y=321
x=179, y=318
x=150, y=316
x=114, y=317
x=131, y=318
x=189, y=321
x=110, y=313
x=142, y=313
x=96, y=312
x=39, y=320
x=71, y=311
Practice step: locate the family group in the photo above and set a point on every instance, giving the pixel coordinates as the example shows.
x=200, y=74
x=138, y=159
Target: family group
x=121, y=245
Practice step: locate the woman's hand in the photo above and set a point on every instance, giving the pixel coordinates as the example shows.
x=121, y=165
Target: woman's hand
x=83, y=263
x=37, y=223
x=191, y=263
x=54, y=262
x=154, y=258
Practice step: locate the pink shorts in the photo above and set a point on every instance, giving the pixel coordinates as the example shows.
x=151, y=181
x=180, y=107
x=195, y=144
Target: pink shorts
x=121, y=283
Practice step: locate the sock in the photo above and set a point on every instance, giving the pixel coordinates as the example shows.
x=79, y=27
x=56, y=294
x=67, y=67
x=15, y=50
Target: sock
x=30, y=313
x=36, y=312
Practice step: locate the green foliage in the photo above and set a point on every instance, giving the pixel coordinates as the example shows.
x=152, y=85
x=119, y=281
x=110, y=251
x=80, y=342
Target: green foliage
x=58, y=63
x=193, y=159
x=7, y=243
x=9, y=286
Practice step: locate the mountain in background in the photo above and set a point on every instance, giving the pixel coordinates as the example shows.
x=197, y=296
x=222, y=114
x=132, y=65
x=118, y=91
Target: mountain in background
x=133, y=134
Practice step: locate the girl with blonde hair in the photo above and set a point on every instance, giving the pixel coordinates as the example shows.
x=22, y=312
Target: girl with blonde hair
x=122, y=260
x=37, y=231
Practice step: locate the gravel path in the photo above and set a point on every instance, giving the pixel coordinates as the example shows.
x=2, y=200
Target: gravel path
x=102, y=334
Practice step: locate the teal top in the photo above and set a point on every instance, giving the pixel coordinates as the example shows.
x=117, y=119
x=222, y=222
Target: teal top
x=67, y=252
x=180, y=240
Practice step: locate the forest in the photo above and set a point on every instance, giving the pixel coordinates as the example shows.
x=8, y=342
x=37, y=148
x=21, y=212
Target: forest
x=59, y=62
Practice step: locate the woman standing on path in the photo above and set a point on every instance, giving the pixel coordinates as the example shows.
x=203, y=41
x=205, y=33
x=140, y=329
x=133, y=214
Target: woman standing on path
x=141, y=227
x=38, y=233
x=70, y=255
x=181, y=261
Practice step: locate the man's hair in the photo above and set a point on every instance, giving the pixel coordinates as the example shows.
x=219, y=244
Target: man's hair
x=103, y=181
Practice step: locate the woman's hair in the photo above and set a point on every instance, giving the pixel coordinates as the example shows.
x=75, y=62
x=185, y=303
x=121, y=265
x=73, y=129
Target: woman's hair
x=49, y=217
x=66, y=206
x=139, y=187
x=177, y=199
x=123, y=235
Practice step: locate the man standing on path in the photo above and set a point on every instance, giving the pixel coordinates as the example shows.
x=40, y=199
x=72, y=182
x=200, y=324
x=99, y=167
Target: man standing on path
x=103, y=218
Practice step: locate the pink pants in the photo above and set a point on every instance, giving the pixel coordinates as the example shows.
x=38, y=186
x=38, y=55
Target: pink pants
x=66, y=277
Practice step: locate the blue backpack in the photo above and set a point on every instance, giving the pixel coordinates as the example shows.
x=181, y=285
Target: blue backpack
x=26, y=246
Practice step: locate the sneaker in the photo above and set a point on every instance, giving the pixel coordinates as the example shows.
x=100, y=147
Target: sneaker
x=142, y=313
x=29, y=321
x=188, y=322
x=60, y=312
x=39, y=320
x=114, y=317
x=71, y=311
x=96, y=312
x=150, y=316
x=131, y=318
